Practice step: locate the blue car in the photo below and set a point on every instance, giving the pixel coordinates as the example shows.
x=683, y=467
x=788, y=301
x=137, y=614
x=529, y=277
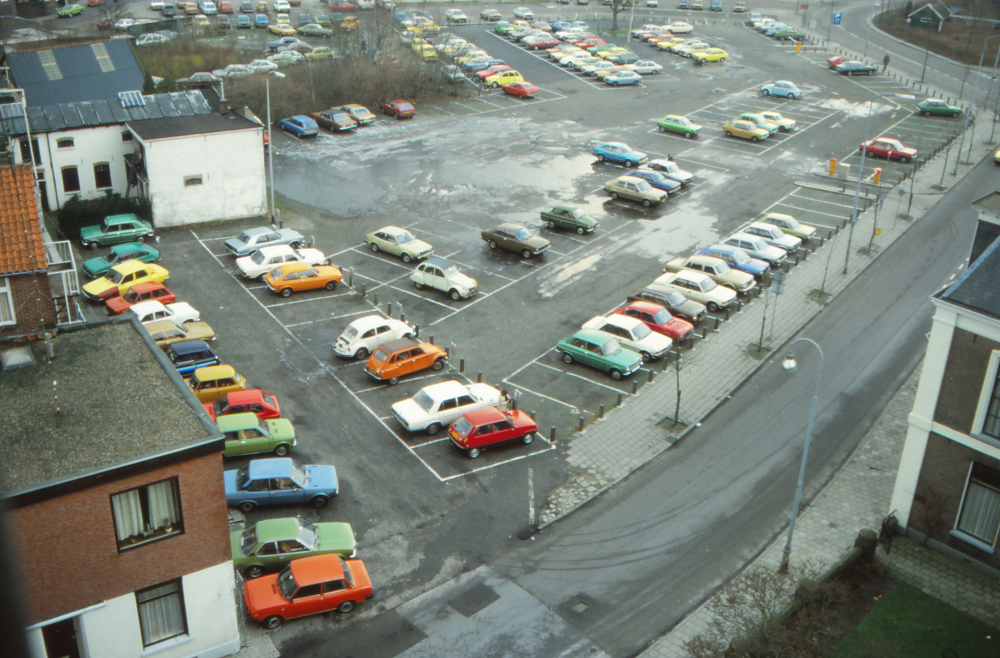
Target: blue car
x=479, y=66
x=424, y=14
x=189, y=355
x=619, y=153
x=782, y=89
x=657, y=180
x=738, y=259
x=261, y=20
x=280, y=481
x=400, y=16
x=305, y=19
x=300, y=126
x=559, y=26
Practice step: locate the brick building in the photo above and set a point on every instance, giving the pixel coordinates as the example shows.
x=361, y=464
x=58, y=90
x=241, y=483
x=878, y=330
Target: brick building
x=117, y=515
x=948, y=485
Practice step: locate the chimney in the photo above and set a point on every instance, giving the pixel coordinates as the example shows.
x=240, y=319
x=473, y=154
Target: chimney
x=223, y=106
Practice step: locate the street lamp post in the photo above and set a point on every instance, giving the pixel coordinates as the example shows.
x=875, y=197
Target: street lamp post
x=972, y=103
x=790, y=365
x=270, y=143
x=861, y=173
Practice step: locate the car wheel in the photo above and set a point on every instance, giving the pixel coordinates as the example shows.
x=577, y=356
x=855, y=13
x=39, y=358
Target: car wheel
x=433, y=428
x=615, y=374
x=567, y=358
x=286, y=292
x=646, y=357
x=614, y=195
x=688, y=134
x=247, y=506
x=281, y=450
x=529, y=437
x=727, y=133
x=904, y=160
x=600, y=157
x=663, y=129
x=273, y=622
x=473, y=453
x=765, y=92
x=455, y=295
x=526, y=253
x=319, y=502
x=722, y=60
x=437, y=365
x=331, y=285
x=254, y=571
x=374, y=248
x=141, y=238
x=713, y=307
x=754, y=138
x=406, y=258
x=495, y=85
x=362, y=353
x=493, y=244
x=345, y=607
x=871, y=154
x=418, y=285
x=393, y=381
x=647, y=203
x=295, y=245
x=631, y=163
x=91, y=245
x=580, y=231
x=955, y=114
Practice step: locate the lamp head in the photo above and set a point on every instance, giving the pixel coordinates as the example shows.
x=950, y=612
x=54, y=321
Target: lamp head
x=789, y=363
x=277, y=74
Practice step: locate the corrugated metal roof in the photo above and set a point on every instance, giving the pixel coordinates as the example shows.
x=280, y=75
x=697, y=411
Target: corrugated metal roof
x=76, y=73
x=54, y=118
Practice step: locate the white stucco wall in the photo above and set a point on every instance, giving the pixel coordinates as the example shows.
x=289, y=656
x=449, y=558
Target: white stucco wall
x=231, y=166
x=112, y=630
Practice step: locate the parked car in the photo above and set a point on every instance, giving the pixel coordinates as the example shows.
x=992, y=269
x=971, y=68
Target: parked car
x=744, y=130
x=520, y=89
x=698, y=287
x=938, y=108
x=759, y=121
x=738, y=259
x=318, y=53
x=438, y=405
x=618, y=78
x=678, y=124
x=189, y=355
x=755, y=247
x=716, y=269
x=855, y=68
x=773, y=236
x=246, y=434
x=152, y=310
x=398, y=242
x=632, y=334
x=119, y=278
x=834, y=61
x=402, y=357
x=600, y=351
x=139, y=293
x=658, y=319
x=784, y=124
x=265, y=259
x=635, y=189
x=69, y=11
x=364, y=335
x=300, y=126
x=656, y=179
x=300, y=277
x=261, y=21
x=213, y=382
x=120, y=253
x=619, y=153
x=489, y=427
x=676, y=304
x=359, y=113
x=398, y=108
x=568, y=216
x=334, y=120
x=116, y=229
x=443, y=275
x=256, y=238
x=166, y=332
x=307, y=586
x=271, y=544
x=789, y=225
x=280, y=481
x=516, y=238
x=645, y=67
x=223, y=23
x=255, y=401
x=456, y=16
x=489, y=15
x=782, y=88
x=671, y=170
x=887, y=147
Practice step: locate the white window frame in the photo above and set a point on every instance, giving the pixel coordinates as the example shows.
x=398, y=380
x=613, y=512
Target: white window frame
x=989, y=381
x=6, y=294
x=959, y=534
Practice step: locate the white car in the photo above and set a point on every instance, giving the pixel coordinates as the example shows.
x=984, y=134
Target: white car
x=699, y=288
x=150, y=39
x=207, y=7
x=281, y=6
x=123, y=24
x=156, y=5
x=670, y=169
x=265, y=259
x=262, y=66
x=178, y=313
x=456, y=16
x=439, y=405
x=443, y=275
x=524, y=14
x=652, y=3
x=645, y=67
x=233, y=71
x=680, y=27
x=774, y=236
x=364, y=335
x=757, y=248
x=633, y=334
x=763, y=24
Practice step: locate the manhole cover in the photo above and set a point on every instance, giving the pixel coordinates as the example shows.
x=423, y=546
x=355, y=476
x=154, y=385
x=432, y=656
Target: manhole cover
x=579, y=607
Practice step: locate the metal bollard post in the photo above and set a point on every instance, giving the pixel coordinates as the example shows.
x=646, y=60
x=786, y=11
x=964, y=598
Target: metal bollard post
x=552, y=435
x=619, y=400
x=431, y=341
x=364, y=292
x=388, y=309
x=532, y=414
x=739, y=306
x=479, y=377
x=461, y=365
x=350, y=278
x=580, y=427
x=600, y=414
x=651, y=373
x=727, y=313
x=635, y=387
x=716, y=323
x=513, y=403
x=704, y=332
x=416, y=331
x=375, y=298
x=402, y=318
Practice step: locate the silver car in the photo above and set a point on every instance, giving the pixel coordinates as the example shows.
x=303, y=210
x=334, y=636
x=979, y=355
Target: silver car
x=774, y=236
x=757, y=248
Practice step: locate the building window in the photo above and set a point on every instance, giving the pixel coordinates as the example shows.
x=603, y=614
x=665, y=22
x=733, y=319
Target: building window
x=26, y=154
x=147, y=513
x=192, y=180
x=71, y=179
x=987, y=419
x=161, y=612
x=64, y=143
x=991, y=421
x=127, y=136
x=979, y=517
x=6, y=303
x=102, y=175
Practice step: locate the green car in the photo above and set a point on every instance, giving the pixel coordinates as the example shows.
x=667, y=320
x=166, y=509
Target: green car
x=597, y=350
x=281, y=60
x=678, y=124
x=789, y=33
x=314, y=30
x=938, y=108
x=322, y=52
x=248, y=435
x=69, y=11
x=116, y=229
x=502, y=27
x=740, y=7
x=569, y=217
x=626, y=57
x=120, y=253
x=272, y=544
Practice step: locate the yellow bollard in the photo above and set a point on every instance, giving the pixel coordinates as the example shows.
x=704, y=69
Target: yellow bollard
x=798, y=46
x=833, y=166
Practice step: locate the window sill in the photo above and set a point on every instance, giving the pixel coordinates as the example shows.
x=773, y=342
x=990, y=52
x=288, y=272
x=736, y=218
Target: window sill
x=972, y=541
x=166, y=644
x=144, y=541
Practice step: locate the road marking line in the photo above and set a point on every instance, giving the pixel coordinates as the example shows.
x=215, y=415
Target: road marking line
x=586, y=379
x=818, y=212
x=500, y=463
x=541, y=395
x=798, y=196
x=334, y=317
x=383, y=385
x=428, y=443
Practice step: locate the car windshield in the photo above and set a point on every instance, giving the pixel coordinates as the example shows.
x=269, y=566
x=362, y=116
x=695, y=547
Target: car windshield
x=242, y=477
x=611, y=348
x=220, y=405
x=451, y=271
x=462, y=426
x=341, y=117
x=262, y=427
x=307, y=534
x=404, y=237
x=424, y=401
x=662, y=317
x=110, y=257
x=257, y=258
x=351, y=332
x=287, y=584
x=576, y=214
x=759, y=245
x=640, y=331
x=792, y=223
x=114, y=276
x=131, y=296
x=675, y=299
x=248, y=540
x=522, y=234
x=298, y=474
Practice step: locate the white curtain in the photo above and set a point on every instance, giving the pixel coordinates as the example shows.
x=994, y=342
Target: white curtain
x=128, y=514
x=981, y=512
x=163, y=507
x=162, y=617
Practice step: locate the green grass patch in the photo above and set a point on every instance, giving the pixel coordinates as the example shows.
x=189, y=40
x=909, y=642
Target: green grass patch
x=919, y=626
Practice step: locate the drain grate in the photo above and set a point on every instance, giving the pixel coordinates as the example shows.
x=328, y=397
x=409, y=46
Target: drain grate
x=580, y=607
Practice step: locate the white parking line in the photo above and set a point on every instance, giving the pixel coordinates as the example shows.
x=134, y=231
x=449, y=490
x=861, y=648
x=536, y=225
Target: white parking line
x=541, y=395
x=500, y=463
x=570, y=374
x=788, y=205
x=799, y=196
x=408, y=379
x=332, y=317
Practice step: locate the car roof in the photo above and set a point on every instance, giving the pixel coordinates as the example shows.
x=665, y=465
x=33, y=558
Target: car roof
x=276, y=249
x=275, y=467
x=648, y=307
x=565, y=206
x=233, y=422
x=316, y=569
x=443, y=263
x=160, y=325
x=592, y=335
x=705, y=258
x=254, y=232
x=146, y=307
x=245, y=397
x=368, y=321
x=484, y=415
x=295, y=266
x=149, y=285
x=510, y=226
x=130, y=266
x=209, y=373
x=113, y=219
x=445, y=390
x=277, y=529
x=621, y=320
x=631, y=179
x=776, y=215
x=688, y=274
x=622, y=144
x=745, y=236
x=769, y=227
x=397, y=345
x=188, y=346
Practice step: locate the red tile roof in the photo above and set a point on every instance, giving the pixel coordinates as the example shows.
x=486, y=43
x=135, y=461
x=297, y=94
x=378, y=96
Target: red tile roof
x=22, y=248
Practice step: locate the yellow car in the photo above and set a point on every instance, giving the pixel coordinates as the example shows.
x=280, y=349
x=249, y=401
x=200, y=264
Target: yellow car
x=191, y=8
x=350, y=23
x=604, y=54
x=426, y=51
x=469, y=55
x=564, y=57
x=167, y=332
x=519, y=25
x=685, y=49
x=213, y=382
x=121, y=277
x=710, y=55
x=282, y=30
x=283, y=19
x=600, y=74
x=668, y=43
x=744, y=130
x=201, y=20
x=503, y=78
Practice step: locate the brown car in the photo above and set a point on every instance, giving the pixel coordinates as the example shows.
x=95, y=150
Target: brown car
x=335, y=120
x=517, y=238
x=401, y=357
x=166, y=332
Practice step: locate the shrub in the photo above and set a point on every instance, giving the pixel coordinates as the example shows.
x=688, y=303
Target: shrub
x=78, y=213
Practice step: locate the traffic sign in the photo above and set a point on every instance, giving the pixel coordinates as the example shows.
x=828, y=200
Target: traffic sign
x=837, y=16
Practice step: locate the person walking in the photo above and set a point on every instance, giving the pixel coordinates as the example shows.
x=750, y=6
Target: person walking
x=885, y=63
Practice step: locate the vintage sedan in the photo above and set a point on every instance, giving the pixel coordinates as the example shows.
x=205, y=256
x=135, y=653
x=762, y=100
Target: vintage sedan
x=307, y=586
x=632, y=334
x=717, y=269
x=246, y=434
x=456, y=16
x=334, y=120
x=782, y=89
x=784, y=123
x=936, y=107
x=364, y=335
x=255, y=238
x=489, y=427
x=69, y=11
x=887, y=147
x=600, y=351
x=265, y=259
x=744, y=130
x=773, y=236
x=271, y=544
x=516, y=238
x=520, y=89
x=671, y=170
x=121, y=277
x=299, y=125
x=673, y=123
x=359, y=113
x=501, y=78
x=213, y=382
x=541, y=42
x=142, y=292
x=698, y=287
x=657, y=179
x=565, y=215
x=836, y=60
x=178, y=313
x=116, y=229
x=120, y=253
x=676, y=304
x=253, y=401
x=299, y=277
x=438, y=405
x=280, y=481
x=680, y=27
x=402, y=357
x=710, y=55
x=855, y=68
x=281, y=29
x=738, y=259
x=314, y=30
x=755, y=247
x=398, y=108
x=635, y=189
x=441, y=274
x=619, y=153
x=165, y=332
x=622, y=77
x=759, y=121
x=658, y=319
x=398, y=242
x=645, y=67
x=622, y=57
x=789, y=225
x=789, y=33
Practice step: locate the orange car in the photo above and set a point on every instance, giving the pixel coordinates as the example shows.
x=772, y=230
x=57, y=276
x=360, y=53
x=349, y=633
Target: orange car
x=296, y=277
x=400, y=357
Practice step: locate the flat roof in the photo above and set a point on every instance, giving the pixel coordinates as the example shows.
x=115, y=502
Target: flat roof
x=198, y=124
x=108, y=399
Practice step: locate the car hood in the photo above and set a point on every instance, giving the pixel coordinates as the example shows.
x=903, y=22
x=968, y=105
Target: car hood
x=335, y=538
x=463, y=281
x=234, y=547
x=690, y=308
x=99, y=286
x=322, y=478
x=90, y=232
x=625, y=358
x=655, y=343
x=262, y=596
x=229, y=479
x=96, y=266
x=788, y=241
x=199, y=331
x=535, y=242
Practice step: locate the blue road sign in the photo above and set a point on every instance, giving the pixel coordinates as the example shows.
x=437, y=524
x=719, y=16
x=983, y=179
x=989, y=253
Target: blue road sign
x=837, y=15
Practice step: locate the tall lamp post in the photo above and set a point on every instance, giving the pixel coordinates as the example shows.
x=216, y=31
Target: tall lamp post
x=790, y=365
x=270, y=143
x=861, y=173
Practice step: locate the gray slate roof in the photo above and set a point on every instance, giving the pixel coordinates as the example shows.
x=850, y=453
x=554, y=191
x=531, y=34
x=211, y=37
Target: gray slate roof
x=72, y=74
x=54, y=118
x=204, y=124
x=979, y=287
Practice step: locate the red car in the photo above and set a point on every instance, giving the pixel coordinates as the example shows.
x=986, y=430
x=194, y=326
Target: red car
x=343, y=5
x=254, y=401
x=225, y=7
x=520, y=89
x=307, y=586
x=488, y=427
x=143, y=292
x=493, y=70
x=398, y=108
x=543, y=42
x=658, y=319
x=93, y=3
x=887, y=147
x=837, y=60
